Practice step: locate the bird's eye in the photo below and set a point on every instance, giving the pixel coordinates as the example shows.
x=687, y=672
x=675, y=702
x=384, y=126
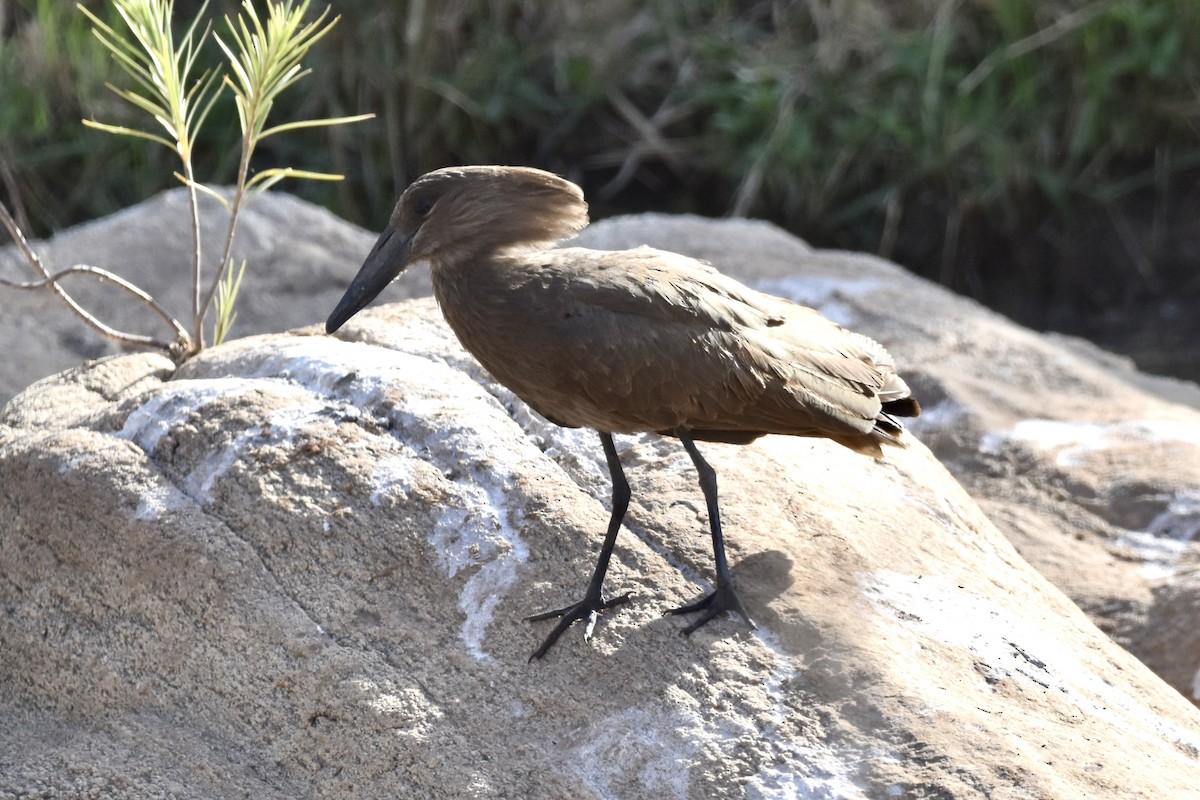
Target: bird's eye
x=422, y=207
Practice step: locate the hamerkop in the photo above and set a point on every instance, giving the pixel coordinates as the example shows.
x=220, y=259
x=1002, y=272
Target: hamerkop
x=627, y=341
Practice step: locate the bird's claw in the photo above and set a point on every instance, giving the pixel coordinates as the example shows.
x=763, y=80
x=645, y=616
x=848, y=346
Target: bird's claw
x=588, y=608
x=723, y=599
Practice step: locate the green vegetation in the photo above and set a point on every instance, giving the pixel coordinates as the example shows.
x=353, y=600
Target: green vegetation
x=1026, y=153
x=264, y=59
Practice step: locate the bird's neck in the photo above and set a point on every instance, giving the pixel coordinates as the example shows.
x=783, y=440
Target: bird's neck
x=480, y=292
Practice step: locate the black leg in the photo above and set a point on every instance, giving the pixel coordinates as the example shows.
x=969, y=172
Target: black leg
x=724, y=598
x=593, y=601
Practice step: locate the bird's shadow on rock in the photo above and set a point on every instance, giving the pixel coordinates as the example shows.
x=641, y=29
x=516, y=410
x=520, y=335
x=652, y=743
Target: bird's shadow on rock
x=760, y=578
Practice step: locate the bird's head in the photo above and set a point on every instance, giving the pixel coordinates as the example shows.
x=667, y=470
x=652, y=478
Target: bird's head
x=461, y=213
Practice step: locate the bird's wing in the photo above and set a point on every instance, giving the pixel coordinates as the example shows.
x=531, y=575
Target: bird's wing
x=661, y=325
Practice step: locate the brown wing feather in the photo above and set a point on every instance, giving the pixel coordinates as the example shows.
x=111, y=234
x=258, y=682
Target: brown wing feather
x=668, y=330
x=644, y=340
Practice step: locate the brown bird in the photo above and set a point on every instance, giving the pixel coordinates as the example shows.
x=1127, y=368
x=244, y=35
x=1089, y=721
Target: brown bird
x=629, y=341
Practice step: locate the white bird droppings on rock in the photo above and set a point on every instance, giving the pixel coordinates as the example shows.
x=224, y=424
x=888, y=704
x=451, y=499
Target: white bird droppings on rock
x=1075, y=441
x=158, y=499
x=146, y=425
x=1009, y=648
x=476, y=528
x=1168, y=537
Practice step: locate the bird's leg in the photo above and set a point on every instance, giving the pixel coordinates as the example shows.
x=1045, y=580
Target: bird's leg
x=724, y=598
x=593, y=601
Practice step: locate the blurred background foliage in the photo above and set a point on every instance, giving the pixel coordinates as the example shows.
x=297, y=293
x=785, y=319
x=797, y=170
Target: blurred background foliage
x=1043, y=157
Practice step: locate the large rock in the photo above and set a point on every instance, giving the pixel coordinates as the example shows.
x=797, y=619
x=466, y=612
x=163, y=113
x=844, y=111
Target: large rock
x=257, y=575
x=297, y=566
x=1090, y=468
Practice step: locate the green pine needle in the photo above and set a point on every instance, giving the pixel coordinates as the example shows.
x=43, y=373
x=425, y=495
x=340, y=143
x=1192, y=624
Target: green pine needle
x=263, y=59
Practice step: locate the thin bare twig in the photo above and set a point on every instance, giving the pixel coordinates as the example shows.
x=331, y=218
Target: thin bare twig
x=182, y=341
x=104, y=276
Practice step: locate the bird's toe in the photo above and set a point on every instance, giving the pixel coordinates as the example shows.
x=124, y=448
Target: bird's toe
x=725, y=598
x=588, y=608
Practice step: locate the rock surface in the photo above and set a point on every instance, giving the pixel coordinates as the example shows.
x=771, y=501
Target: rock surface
x=1090, y=468
x=297, y=566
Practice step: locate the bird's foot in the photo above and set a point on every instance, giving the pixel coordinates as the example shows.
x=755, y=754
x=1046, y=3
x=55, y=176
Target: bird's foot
x=588, y=608
x=723, y=599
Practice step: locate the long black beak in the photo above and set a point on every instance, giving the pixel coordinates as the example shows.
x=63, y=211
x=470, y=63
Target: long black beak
x=387, y=259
